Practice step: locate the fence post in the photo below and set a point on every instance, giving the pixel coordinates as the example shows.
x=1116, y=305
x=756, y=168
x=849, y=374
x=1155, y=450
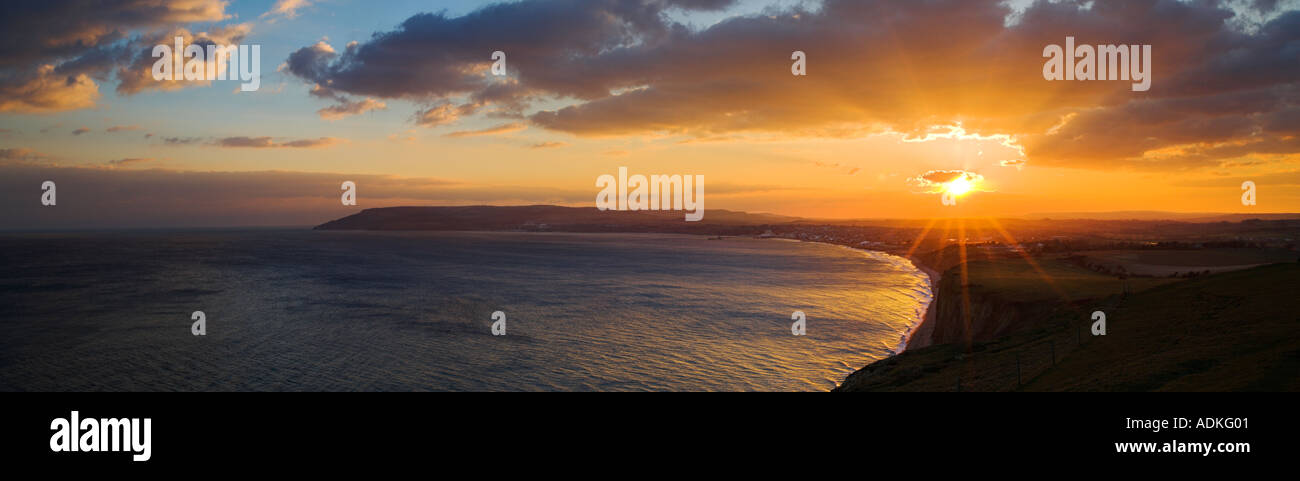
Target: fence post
x=958, y=383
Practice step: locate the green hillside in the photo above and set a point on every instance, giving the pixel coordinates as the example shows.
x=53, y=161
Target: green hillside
x=1232, y=331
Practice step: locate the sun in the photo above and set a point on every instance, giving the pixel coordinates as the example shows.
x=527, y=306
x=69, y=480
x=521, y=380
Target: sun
x=959, y=186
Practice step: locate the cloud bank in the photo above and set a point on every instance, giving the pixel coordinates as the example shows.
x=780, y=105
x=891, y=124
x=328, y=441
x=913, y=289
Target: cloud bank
x=1226, y=79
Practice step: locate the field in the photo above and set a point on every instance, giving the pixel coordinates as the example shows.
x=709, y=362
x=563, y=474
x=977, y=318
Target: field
x=1163, y=263
x=1237, y=331
x=1232, y=331
x=1047, y=279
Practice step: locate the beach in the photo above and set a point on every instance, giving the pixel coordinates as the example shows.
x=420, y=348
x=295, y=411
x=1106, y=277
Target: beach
x=921, y=334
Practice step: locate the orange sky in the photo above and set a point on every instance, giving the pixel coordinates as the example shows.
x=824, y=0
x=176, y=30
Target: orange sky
x=893, y=91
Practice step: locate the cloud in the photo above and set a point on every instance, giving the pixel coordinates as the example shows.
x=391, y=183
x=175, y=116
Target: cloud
x=436, y=56
x=1225, y=81
x=547, y=145
x=344, y=109
x=128, y=162
x=43, y=90
x=54, y=54
x=1263, y=181
x=91, y=197
x=268, y=142
x=436, y=115
x=493, y=130
x=136, y=75
x=20, y=155
x=122, y=128
x=80, y=130
x=934, y=181
x=180, y=140
x=343, y=106
x=287, y=8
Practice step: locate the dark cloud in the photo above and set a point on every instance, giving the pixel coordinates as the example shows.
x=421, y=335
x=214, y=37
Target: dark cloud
x=268, y=142
x=20, y=155
x=53, y=53
x=80, y=130
x=127, y=162
x=94, y=197
x=625, y=68
x=433, y=56
x=179, y=140
x=934, y=181
x=261, y=142
x=136, y=72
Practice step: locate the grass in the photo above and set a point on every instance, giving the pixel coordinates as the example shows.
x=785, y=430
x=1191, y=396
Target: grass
x=1233, y=331
x=1018, y=279
x=1166, y=262
x=1236, y=331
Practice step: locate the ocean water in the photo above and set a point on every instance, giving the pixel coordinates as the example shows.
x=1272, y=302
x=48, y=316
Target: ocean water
x=331, y=310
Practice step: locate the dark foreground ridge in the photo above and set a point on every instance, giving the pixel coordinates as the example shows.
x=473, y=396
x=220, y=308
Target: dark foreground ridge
x=1232, y=331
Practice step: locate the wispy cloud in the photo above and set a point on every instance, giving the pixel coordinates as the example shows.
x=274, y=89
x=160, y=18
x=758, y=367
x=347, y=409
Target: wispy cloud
x=268, y=142
x=127, y=162
x=287, y=8
x=494, y=130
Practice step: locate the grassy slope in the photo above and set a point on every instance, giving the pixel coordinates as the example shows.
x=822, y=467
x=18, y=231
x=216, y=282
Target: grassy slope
x=1231, y=331
x=1228, y=332
x=1017, y=279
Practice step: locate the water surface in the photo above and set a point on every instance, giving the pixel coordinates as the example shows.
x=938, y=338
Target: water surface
x=328, y=310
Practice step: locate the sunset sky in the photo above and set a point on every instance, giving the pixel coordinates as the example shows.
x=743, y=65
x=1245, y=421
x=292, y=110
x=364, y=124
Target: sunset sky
x=397, y=97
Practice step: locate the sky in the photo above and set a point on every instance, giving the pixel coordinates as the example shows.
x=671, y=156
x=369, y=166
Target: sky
x=399, y=97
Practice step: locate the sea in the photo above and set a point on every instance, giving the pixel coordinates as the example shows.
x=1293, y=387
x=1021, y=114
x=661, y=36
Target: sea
x=308, y=310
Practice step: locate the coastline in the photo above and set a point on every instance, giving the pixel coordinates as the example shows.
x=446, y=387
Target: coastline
x=920, y=336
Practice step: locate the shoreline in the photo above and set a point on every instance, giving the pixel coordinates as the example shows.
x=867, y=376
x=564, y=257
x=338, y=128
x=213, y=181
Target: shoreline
x=920, y=335
x=924, y=326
